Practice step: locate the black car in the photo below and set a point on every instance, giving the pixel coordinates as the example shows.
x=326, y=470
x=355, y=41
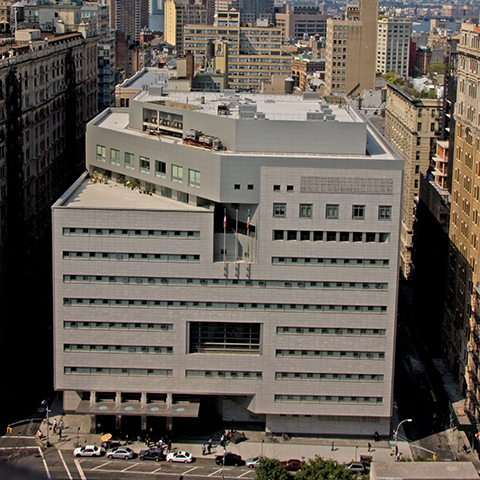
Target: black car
x=152, y=454
x=230, y=459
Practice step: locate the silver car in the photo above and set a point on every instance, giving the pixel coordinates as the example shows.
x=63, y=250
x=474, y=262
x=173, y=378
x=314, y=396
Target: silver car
x=120, y=452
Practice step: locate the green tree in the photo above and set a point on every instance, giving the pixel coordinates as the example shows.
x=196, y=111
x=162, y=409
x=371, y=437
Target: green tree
x=443, y=68
x=272, y=470
x=321, y=469
x=391, y=76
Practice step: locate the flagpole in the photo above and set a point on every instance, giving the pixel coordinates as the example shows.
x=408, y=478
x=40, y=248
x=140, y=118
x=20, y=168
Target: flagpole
x=248, y=234
x=236, y=239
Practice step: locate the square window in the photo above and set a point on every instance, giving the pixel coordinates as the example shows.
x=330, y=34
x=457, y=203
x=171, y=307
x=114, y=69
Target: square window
x=306, y=210
x=276, y=188
x=357, y=237
x=384, y=212
x=358, y=212
x=236, y=186
x=331, y=236
x=370, y=237
x=279, y=209
x=177, y=174
x=318, y=236
x=344, y=236
x=160, y=169
x=332, y=211
x=278, y=235
x=250, y=187
x=291, y=234
x=289, y=188
x=305, y=236
x=144, y=164
x=383, y=238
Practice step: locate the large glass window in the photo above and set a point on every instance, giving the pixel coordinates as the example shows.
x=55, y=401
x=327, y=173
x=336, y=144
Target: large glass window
x=114, y=156
x=384, y=212
x=129, y=160
x=177, y=174
x=160, y=169
x=101, y=153
x=194, y=178
x=279, y=209
x=145, y=164
x=332, y=211
x=209, y=337
x=306, y=210
x=358, y=212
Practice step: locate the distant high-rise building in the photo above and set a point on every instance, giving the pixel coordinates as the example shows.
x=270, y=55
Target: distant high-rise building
x=297, y=21
x=393, y=44
x=179, y=13
x=351, y=49
x=411, y=126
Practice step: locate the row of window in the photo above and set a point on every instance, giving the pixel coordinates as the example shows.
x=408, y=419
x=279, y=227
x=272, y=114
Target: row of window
x=117, y=349
x=332, y=211
x=352, y=377
x=361, y=262
x=371, y=332
x=224, y=282
x=331, y=354
x=98, y=302
x=223, y=374
x=145, y=166
x=327, y=399
x=161, y=257
x=118, y=371
x=121, y=232
x=317, y=236
x=119, y=325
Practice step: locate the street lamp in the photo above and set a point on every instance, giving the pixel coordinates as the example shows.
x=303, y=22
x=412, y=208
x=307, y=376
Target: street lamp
x=396, y=435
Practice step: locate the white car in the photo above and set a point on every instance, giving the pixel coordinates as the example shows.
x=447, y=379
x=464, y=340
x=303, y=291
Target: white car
x=87, y=451
x=183, y=457
x=253, y=462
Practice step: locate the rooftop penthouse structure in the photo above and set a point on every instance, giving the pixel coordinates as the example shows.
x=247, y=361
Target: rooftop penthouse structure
x=232, y=256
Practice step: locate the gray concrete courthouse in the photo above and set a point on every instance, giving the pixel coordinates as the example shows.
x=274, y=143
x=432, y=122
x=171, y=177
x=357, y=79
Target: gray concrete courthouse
x=234, y=256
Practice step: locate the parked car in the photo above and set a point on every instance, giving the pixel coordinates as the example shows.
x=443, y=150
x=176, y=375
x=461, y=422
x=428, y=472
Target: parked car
x=253, y=462
x=88, y=451
x=355, y=467
x=292, y=465
x=183, y=457
x=152, y=454
x=229, y=459
x=120, y=452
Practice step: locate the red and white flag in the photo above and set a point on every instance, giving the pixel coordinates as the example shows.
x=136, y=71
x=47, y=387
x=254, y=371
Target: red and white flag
x=225, y=218
x=248, y=219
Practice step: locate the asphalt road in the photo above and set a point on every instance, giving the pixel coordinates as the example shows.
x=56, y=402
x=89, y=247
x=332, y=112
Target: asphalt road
x=23, y=459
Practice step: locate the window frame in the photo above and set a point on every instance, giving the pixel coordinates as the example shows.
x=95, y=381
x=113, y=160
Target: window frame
x=178, y=175
x=128, y=164
x=358, y=212
x=332, y=211
x=305, y=210
x=382, y=212
x=280, y=210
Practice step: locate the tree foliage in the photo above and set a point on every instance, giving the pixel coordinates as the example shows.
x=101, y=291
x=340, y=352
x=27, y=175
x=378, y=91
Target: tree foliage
x=272, y=470
x=442, y=68
x=315, y=469
x=321, y=469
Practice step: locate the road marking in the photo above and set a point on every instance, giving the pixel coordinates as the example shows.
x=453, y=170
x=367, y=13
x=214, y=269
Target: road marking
x=16, y=448
x=79, y=468
x=100, y=466
x=16, y=436
x=191, y=470
x=155, y=471
x=214, y=473
x=246, y=473
x=131, y=466
x=65, y=465
x=45, y=463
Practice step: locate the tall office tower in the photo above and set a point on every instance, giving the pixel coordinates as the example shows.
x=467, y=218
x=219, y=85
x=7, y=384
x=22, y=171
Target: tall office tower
x=393, y=44
x=248, y=271
x=462, y=306
x=351, y=50
x=411, y=126
x=179, y=13
x=298, y=21
x=47, y=94
x=130, y=17
x=254, y=53
x=98, y=13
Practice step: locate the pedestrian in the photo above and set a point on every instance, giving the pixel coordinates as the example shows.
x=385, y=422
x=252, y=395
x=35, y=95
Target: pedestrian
x=40, y=434
x=61, y=424
x=376, y=436
x=60, y=433
x=204, y=449
x=54, y=425
x=169, y=445
x=209, y=446
x=333, y=446
x=369, y=446
x=126, y=439
x=139, y=439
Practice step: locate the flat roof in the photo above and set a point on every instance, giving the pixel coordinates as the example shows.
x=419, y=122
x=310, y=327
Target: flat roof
x=275, y=107
x=147, y=76
x=112, y=195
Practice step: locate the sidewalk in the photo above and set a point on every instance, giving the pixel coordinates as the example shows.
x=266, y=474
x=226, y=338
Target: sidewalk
x=302, y=448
